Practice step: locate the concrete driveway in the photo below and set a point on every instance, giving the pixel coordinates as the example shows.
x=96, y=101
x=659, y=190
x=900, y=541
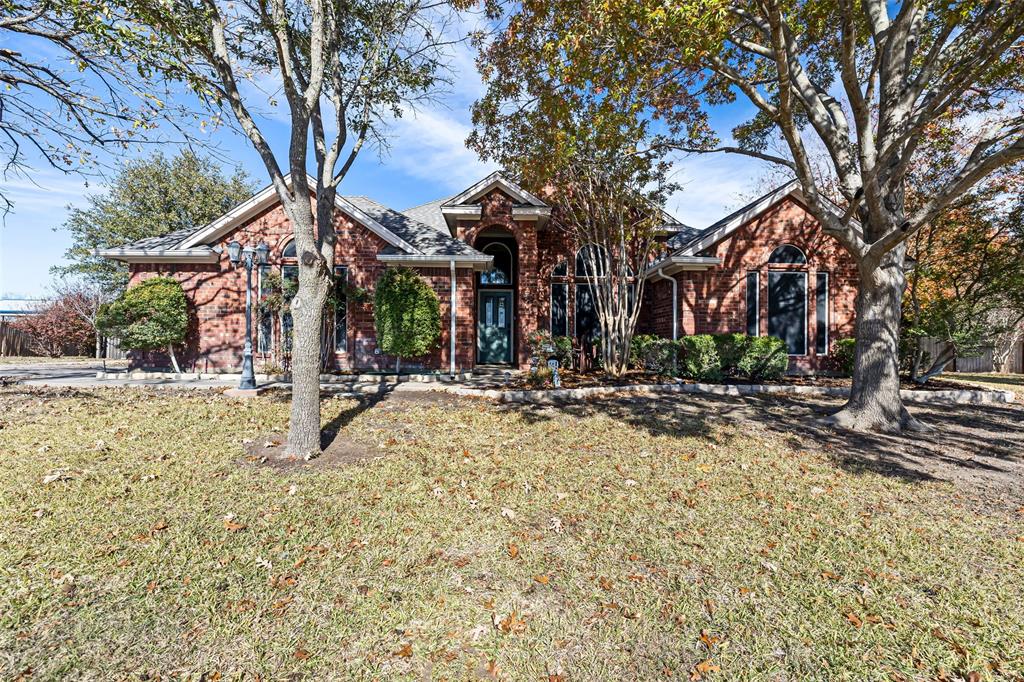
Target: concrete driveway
x=82, y=374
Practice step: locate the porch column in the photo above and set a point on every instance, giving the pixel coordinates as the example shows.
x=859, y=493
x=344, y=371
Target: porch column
x=451, y=321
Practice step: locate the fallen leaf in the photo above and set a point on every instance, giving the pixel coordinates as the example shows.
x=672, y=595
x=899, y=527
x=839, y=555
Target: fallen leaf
x=300, y=654
x=512, y=624
x=405, y=651
x=709, y=640
x=854, y=619
x=542, y=579
x=701, y=669
x=160, y=525
x=234, y=526
x=508, y=513
x=513, y=550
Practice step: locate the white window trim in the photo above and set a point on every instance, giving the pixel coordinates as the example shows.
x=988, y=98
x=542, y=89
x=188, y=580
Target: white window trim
x=807, y=331
x=791, y=245
x=828, y=312
x=575, y=271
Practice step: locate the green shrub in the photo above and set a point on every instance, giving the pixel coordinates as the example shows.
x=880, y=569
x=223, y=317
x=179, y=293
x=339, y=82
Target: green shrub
x=563, y=350
x=765, y=358
x=699, y=358
x=654, y=354
x=843, y=353
x=406, y=314
x=638, y=349
x=152, y=315
x=541, y=342
x=731, y=348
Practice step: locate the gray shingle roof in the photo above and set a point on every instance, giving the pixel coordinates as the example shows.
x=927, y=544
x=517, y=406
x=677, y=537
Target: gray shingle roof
x=685, y=235
x=429, y=214
x=166, y=241
x=430, y=240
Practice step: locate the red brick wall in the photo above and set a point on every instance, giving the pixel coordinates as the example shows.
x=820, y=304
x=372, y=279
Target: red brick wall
x=710, y=302
x=714, y=301
x=539, y=250
x=217, y=296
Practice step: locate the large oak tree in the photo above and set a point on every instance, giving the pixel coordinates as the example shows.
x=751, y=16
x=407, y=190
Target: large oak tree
x=860, y=79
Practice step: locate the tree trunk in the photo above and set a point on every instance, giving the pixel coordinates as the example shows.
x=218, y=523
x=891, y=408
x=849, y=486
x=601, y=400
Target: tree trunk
x=875, y=403
x=174, y=358
x=307, y=317
x=99, y=345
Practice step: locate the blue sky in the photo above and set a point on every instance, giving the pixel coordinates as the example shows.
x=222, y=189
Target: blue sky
x=427, y=160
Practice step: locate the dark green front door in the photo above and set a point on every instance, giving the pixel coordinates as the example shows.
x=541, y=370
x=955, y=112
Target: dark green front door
x=494, y=328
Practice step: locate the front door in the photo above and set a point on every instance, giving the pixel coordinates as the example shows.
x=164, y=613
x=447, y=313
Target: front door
x=494, y=328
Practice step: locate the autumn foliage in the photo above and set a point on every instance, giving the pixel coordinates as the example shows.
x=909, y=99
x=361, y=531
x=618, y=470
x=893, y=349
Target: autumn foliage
x=57, y=329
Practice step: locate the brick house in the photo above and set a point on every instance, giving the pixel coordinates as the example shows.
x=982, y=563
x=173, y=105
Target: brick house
x=765, y=269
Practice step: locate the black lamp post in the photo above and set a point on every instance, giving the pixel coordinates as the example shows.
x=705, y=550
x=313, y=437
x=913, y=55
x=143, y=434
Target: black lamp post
x=237, y=254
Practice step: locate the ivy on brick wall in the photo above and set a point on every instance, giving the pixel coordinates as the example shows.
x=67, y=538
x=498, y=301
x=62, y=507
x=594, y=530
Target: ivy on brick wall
x=407, y=315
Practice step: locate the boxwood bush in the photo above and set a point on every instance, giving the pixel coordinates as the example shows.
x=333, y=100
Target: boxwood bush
x=654, y=354
x=765, y=359
x=731, y=349
x=699, y=358
x=843, y=354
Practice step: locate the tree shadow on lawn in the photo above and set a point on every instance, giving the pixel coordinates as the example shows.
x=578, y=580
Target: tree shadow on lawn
x=978, y=447
x=338, y=448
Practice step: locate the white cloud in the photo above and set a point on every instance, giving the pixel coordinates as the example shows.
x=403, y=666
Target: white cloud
x=430, y=145
x=713, y=185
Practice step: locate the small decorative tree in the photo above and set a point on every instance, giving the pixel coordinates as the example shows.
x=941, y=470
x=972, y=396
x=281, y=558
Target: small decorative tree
x=151, y=315
x=407, y=315
x=55, y=328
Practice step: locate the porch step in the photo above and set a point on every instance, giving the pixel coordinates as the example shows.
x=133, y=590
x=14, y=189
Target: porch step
x=493, y=370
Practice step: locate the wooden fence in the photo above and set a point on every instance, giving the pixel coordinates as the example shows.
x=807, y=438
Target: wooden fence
x=13, y=341
x=979, y=363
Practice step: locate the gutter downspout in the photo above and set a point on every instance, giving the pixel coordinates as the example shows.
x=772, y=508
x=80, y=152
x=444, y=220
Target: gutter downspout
x=451, y=332
x=675, y=303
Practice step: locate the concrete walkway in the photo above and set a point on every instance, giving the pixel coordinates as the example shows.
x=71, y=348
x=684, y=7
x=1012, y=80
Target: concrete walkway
x=82, y=374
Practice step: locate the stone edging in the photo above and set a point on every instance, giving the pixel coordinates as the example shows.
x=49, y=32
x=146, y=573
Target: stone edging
x=957, y=396
x=136, y=375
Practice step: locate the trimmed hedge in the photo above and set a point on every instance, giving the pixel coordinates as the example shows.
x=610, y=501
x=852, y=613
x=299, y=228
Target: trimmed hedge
x=712, y=357
x=765, y=358
x=731, y=349
x=654, y=354
x=700, y=359
x=843, y=354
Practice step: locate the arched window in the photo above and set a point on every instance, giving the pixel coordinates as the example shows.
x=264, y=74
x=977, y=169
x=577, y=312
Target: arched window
x=289, y=251
x=583, y=257
x=787, y=254
x=501, y=272
x=560, y=270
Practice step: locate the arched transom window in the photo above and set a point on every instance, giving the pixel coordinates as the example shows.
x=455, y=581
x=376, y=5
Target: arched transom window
x=501, y=272
x=591, y=253
x=787, y=254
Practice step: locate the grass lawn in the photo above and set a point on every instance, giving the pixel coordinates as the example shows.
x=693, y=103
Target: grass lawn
x=137, y=539
x=1001, y=382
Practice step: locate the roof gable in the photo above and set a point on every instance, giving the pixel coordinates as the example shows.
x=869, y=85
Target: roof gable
x=496, y=180
x=266, y=198
x=692, y=243
x=716, y=232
